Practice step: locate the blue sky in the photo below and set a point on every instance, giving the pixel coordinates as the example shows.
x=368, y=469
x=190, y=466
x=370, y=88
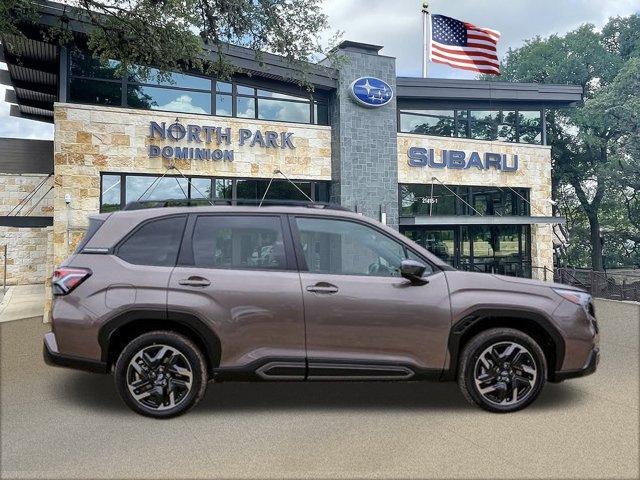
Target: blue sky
x=397, y=24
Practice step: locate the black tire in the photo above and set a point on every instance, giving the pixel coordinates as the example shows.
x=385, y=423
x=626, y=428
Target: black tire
x=470, y=366
x=188, y=356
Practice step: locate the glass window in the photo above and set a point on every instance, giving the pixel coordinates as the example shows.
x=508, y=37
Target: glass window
x=242, y=90
x=155, y=243
x=224, y=105
x=417, y=200
x=321, y=113
x=348, y=248
x=152, y=75
x=239, y=242
x=83, y=64
x=322, y=192
x=285, y=111
x=246, y=189
x=95, y=92
x=529, y=127
x=506, y=124
x=110, y=198
x=223, y=188
x=224, y=87
x=484, y=125
x=245, y=107
x=157, y=98
x=283, y=190
x=201, y=188
x=141, y=188
x=462, y=119
x=428, y=122
x=267, y=93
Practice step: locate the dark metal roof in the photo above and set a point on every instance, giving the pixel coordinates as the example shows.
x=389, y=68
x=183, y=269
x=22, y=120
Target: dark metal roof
x=19, y=155
x=469, y=91
x=33, y=73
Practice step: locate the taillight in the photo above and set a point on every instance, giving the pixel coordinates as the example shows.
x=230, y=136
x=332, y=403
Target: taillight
x=66, y=279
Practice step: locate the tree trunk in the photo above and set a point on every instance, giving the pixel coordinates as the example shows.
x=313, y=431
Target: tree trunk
x=596, y=245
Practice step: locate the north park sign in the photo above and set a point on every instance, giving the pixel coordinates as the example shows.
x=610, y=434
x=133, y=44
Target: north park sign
x=201, y=135
x=460, y=160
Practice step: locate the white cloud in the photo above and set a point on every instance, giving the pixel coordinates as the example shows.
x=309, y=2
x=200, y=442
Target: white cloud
x=184, y=103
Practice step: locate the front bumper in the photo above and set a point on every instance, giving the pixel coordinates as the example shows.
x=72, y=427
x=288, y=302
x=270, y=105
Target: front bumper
x=590, y=367
x=53, y=357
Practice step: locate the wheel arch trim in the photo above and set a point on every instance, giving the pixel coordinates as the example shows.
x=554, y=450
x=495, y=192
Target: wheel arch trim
x=486, y=315
x=162, y=318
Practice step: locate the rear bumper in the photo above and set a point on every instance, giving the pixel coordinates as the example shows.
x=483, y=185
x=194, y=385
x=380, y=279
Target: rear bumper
x=54, y=358
x=590, y=367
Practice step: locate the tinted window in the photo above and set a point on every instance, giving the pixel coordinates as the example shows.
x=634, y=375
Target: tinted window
x=157, y=98
x=94, y=226
x=155, y=243
x=95, y=92
x=243, y=242
x=347, y=248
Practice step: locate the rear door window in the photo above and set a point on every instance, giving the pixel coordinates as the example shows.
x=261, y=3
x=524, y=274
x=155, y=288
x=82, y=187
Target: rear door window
x=239, y=242
x=155, y=243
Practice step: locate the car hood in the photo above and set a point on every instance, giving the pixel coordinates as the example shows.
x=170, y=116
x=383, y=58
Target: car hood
x=461, y=280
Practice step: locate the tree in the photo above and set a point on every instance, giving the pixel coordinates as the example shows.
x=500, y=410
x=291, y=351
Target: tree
x=594, y=146
x=172, y=35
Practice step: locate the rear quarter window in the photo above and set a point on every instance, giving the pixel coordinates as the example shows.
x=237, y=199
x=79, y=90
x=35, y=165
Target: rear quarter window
x=155, y=243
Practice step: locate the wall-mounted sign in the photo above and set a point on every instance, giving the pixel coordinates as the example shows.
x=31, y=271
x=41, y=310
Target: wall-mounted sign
x=457, y=159
x=371, y=92
x=208, y=134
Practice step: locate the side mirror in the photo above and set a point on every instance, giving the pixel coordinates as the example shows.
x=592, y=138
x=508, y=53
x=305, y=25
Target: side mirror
x=413, y=271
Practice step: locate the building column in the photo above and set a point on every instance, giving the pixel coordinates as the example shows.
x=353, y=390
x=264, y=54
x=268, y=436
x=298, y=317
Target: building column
x=364, y=140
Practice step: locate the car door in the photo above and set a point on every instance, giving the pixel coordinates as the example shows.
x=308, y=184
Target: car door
x=363, y=320
x=237, y=273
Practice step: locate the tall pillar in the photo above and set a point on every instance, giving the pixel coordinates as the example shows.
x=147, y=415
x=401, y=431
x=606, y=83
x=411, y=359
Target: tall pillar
x=364, y=139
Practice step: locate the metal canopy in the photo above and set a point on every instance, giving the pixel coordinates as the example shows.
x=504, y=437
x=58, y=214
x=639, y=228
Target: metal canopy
x=475, y=92
x=480, y=220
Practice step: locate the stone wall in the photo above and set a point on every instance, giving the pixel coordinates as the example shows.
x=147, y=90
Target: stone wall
x=534, y=173
x=26, y=247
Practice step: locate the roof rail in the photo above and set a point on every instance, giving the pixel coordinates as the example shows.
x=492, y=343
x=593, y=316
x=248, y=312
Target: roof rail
x=183, y=202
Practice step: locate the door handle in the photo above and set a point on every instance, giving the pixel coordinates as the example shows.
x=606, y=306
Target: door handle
x=322, y=287
x=194, y=282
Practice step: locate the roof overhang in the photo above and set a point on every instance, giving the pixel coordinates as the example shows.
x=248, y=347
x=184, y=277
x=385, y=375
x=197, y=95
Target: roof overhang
x=480, y=220
x=468, y=93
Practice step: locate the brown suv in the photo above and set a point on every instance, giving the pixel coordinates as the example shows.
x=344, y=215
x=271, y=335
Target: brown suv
x=171, y=298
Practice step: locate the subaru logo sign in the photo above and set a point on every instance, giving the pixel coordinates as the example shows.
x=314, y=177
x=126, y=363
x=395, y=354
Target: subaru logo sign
x=371, y=92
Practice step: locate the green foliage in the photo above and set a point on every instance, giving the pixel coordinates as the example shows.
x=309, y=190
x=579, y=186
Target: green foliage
x=172, y=35
x=596, y=146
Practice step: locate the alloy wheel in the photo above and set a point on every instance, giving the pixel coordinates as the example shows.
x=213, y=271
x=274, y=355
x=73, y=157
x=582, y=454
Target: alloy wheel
x=505, y=373
x=159, y=377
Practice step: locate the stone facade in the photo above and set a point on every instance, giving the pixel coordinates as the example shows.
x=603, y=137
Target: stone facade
x=89, y=140
x=364, y=141
x=534, y=173
x=26, y=247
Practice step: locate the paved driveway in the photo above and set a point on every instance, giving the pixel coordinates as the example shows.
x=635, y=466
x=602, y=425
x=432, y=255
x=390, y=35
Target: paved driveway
x=58, y=423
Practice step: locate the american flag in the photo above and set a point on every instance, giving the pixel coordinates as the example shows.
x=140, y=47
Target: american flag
x=463, y=45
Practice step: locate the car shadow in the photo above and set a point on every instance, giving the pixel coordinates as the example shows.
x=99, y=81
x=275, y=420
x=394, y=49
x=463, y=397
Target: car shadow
x=98, y=392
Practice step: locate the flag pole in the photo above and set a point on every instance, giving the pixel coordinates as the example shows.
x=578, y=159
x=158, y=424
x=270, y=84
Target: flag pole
x=426, y=37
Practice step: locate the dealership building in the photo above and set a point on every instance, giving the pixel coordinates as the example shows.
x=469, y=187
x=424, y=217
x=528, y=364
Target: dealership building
x=460, y=166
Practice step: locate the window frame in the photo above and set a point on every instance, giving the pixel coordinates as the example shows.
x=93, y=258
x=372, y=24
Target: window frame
x=233, y=200
x=186, y=256
x=125, y=82
x=302, y=261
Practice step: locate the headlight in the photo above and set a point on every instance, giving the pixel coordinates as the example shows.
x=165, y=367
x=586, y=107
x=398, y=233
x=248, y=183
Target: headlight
x=579, y=298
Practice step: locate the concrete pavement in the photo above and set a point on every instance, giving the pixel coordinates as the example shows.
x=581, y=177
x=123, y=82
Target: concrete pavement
x=58, y=423
x=22, y=301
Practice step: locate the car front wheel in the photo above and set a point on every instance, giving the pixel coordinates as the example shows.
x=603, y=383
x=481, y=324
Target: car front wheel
x=161, y=374
x=502, y=370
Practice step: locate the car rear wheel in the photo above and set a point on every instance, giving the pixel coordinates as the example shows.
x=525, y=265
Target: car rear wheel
x=502, y=370
x=161, y=374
